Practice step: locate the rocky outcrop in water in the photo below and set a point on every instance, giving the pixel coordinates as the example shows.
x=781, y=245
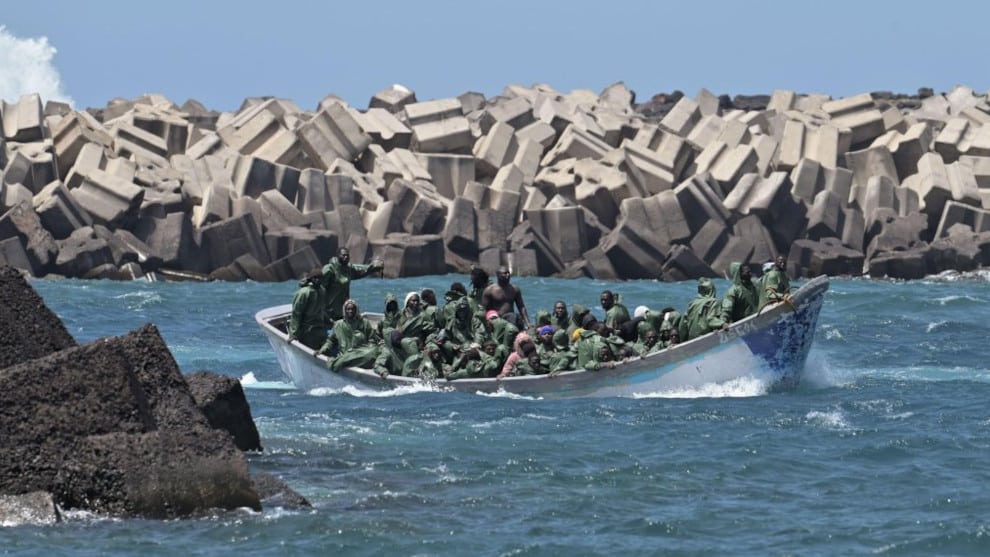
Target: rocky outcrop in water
x=550, y=183
x=112, y=426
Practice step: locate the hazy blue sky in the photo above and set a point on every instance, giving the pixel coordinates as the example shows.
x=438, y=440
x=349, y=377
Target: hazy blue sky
x=221, y=52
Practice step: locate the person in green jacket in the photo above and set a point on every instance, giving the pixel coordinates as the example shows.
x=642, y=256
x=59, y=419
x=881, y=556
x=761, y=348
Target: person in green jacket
x=337, y=277
x=451, y=298
x=391, y=356
x=743, y=298
x=776, y=283
x=649, y=344
x=414, y=324
x=615, y=313
x=353, y=342
x=390, y=317
x=704, y=313
x=307, y=323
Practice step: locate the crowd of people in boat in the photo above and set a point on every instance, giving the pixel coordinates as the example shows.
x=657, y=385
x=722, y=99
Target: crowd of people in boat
x=486, y=332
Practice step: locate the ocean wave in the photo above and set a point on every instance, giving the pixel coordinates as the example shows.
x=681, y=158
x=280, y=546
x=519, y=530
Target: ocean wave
x=742, y=387
x=831, y=419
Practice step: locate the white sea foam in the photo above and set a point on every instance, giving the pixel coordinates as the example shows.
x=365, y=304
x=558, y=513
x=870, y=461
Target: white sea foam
x=370, y=393
x=26, y=67
x=740, y=387
x=250, y=381
x=935, y=325
x=832, y=419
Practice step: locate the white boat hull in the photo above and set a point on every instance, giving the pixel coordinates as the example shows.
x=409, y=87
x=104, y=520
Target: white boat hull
x=772, y=346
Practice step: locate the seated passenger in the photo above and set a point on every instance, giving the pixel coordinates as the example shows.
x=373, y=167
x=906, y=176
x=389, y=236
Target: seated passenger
x=352, y=342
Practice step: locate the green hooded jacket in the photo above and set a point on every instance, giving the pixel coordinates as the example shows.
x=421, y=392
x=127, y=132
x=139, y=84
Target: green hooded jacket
x=742, y=299
x=704, y=313
x=337, y=283
x=307, y=323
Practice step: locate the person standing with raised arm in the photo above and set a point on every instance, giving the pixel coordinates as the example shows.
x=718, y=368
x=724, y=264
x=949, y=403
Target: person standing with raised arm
x=337, y=277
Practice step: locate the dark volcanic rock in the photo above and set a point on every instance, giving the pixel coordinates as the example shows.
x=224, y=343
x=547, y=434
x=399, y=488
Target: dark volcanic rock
x=28, y=329
x=112, y=427
x=275, y=493
x=222, y=400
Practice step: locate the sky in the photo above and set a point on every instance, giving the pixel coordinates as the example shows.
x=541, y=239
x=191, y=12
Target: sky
x=219, y=53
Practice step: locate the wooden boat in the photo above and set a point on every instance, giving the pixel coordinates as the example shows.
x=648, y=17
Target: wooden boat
x=772, y=345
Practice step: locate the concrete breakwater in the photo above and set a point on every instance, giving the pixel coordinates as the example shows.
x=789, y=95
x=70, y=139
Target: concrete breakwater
x=550, y=183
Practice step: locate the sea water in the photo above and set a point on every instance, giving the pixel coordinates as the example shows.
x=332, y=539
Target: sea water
x=883, y=449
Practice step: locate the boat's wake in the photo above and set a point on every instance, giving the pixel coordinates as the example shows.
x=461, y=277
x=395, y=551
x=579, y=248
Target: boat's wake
x=249, y=381
x=741, y=387
x=358, y=392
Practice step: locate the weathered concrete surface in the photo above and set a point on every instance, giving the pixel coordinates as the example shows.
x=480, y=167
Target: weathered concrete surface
x=519, y=154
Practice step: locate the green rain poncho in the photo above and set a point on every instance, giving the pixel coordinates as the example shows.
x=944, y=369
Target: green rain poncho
x=337, y=283
x=776, y=286
x=354, y=340
x=307, y=322
x=742, y=299
x=704, y=313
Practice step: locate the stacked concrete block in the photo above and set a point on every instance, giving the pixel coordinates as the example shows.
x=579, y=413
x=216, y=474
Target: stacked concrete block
x=810, y=258
x=907, y=147
x=956, y=214
x=333, y=133
x=384, y=128
x=531, y=253
x=495, y=149
x=418, y=206
x=130, y=140
x=109, y=200
x=58, y=210
x=954, y=139
x=70, y=136
x=168, y=125
x=12, y=253
x=460, y=233
x=23, y=121
x=367, y=188
x=708, y=129
x=936, y=183
x=23, y=223
x=291, y=239
x=859, y=114
x=81, y=252
x=701, y=201
x=710, y=240
x=215, y=206
x=12, y=194
x=392, y=99
x=646, y=169
x=31, y=166
x=250, y=176
x=171, y=239
x=683, y=264
x=439, y=127
x=278, y=212
x=575, y=143
x=890, y=232
x=449, y=173
x=825, y=217
x=411, y=255
x=740, y=160
x=516, y=112
x=506, y=190
x=631, y=252
x=313, y=195
x=682, y=118
x=867, y=163
x=540, y=132
x=225, y=241
x=299, y=263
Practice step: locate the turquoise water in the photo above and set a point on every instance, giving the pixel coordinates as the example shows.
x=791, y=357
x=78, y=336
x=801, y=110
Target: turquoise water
x=883, y=449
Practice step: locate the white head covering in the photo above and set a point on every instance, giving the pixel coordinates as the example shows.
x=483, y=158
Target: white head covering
x=409, y=296
x=640, y=311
